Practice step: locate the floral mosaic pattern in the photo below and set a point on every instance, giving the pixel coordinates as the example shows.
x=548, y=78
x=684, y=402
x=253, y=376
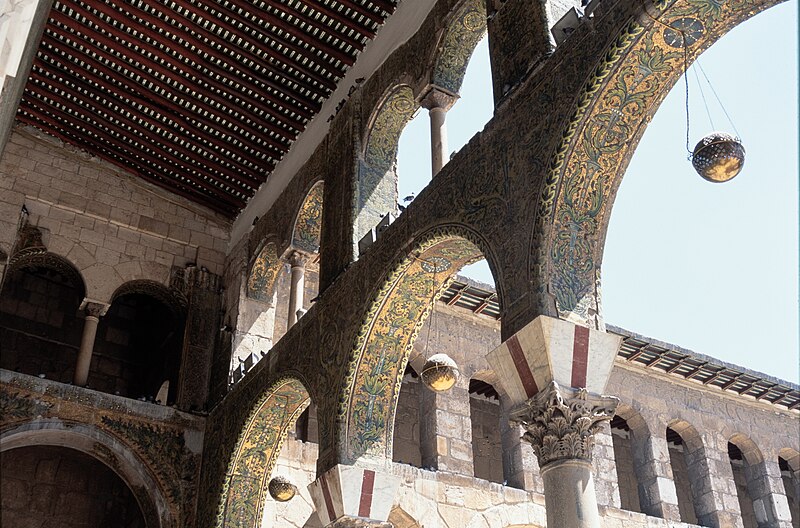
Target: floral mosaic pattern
x=261, y=283
x=611, y=114
x=307, y=227
x=387, y=336
x=245, y=488
x=462, y=35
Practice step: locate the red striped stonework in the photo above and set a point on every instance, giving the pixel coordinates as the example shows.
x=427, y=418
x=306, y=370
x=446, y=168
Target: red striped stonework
x=523, y=370
x=326, y=493
x=367, y=484
x=580, y=356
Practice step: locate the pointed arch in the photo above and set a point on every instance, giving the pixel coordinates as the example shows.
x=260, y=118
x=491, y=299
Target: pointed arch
x=258, y=446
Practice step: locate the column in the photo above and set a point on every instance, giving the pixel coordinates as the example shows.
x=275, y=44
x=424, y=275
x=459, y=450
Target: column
x=354, y=497
x=93, y=313
x=297, y=261
x=438, y=101
x=560, y=423
x=554, y=372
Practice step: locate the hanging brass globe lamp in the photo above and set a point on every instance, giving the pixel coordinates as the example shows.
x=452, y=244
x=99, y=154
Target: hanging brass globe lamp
x=718, y=157
x=281, y=489
x=440, y=373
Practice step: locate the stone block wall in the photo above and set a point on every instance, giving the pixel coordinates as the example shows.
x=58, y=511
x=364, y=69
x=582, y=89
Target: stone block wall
x=112, y=226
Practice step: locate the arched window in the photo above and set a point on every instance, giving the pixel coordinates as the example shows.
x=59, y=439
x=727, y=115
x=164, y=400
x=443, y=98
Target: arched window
x=623, y=458
x=40, y=329
x=739, y=467
x=139, y=344
x=680, y=475
x=487, y=446
x=789, y=465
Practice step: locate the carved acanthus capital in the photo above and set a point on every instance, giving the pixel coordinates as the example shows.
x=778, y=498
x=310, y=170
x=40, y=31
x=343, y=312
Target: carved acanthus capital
x=438, y=98
x=560, y=422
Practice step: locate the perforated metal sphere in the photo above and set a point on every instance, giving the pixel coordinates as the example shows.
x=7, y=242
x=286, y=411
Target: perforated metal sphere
x=718, y=157
x=439, y=373
x=281, y=489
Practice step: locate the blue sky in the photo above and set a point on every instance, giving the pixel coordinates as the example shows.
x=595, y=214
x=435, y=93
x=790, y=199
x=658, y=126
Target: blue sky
x=709, y=267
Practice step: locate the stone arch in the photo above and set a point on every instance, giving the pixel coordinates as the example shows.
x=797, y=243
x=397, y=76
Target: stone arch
x=139, y=342
x=307, y=226
x=39, y=257
x=466, y=28
x=40, y=302
x=697, y=470
x=171, y=298
x=789, y=466
x=376, y=187
x=611, y=113
x=752, y=481
x=391, y=324
x=258, y=446
x=263, y=272
x=88, y=439
x=632, y=458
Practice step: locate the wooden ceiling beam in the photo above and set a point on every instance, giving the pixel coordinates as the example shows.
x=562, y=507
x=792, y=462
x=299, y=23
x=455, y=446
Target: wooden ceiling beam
x=188, y=40
x=204, y=14
x=311, y=21
x=129, y=152
x=43, y=89
x=121, y=47
x=296, y=32
x=179, y=123
x=322, y=9
x=49, y=125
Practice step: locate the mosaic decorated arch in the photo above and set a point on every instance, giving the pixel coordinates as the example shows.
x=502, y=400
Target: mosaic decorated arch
x=376, y=192
x=467, y=28
x=379, y=356
x=258, y=446
x=308, y=224
x=610, y=116
x=261, y=282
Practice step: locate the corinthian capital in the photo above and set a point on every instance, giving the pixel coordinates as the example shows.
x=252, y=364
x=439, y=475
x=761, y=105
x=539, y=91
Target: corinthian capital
x=560, y=422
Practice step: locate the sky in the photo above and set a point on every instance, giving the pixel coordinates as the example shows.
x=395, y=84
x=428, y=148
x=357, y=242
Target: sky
x=708, y=267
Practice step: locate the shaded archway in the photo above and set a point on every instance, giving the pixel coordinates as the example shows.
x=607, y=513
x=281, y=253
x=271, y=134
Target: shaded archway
x=487, y=445
x=789, y=466
x=108, y=450
x=139, y=345
x=258, y=446
x=261, y=279
x=611, y=113
x=98, y=497
x=40, y=325
x=380, y=354
x=697, y=472
x=308, y=222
